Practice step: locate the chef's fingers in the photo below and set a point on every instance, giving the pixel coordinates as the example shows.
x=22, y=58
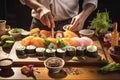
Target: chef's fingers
x=52, y=23
x=73, y=20
x=47, y=21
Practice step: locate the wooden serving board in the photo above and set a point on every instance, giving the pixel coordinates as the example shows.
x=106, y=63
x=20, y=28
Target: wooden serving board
x=89, y=61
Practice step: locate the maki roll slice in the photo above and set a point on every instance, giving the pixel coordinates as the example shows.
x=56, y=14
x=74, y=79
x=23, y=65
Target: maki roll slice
x=20, y=50
x=30, y=49
x=50, y=52
x=71, y=51
x=92, y=51
x=40, y=52
x=61, y=52
x=80, y=50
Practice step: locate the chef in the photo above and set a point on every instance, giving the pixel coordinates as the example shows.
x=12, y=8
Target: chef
x=57, y=13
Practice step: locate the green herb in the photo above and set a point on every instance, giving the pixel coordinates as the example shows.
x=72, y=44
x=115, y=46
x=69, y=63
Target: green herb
x=61, y=43
x=46, y=42
x=101, y=23
x=109, y=68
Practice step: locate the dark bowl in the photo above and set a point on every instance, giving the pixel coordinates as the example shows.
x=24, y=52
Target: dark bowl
x=115, y=57
x=6, y=63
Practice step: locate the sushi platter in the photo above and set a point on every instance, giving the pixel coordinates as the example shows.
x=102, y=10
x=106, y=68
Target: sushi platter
x=75, y=50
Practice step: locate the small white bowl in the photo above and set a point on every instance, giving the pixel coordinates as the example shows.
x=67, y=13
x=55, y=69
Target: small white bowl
x=54, y=64
x=16, y=34
x=86, y=32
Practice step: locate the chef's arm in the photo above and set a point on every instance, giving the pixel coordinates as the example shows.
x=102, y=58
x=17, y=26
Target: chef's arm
x=33, y=4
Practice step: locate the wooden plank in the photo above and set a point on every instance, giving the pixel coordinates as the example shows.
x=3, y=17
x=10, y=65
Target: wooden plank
x=33, y=60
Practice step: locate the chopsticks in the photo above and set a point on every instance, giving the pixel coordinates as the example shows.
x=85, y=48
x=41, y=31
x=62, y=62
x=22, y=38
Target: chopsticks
x=52, y=29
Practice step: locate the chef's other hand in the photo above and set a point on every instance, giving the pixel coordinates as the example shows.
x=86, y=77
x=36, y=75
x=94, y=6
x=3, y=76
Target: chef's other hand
x=47, y=18
x=77, y=23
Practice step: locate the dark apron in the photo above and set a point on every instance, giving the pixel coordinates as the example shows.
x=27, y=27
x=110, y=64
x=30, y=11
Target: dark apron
x=58, y=24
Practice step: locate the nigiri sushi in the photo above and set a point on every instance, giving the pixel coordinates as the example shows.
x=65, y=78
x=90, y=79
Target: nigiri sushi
x=38, y=42
x=45, y=34
x=87, y=41
x=69, y=34
x=35, y=32
x=26, y=41
x=71, y=42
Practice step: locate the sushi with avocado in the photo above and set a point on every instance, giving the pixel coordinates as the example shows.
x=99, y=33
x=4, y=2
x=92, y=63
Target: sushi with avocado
x=92, y=51
x=30, y=49
x=61, y=52
x=80, y=50
x=50, y=52
x=40, y=52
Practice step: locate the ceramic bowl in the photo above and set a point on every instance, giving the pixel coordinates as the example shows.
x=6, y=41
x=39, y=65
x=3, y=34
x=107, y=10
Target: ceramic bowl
x=54, y=64
x=6, y=63
x=86, y=32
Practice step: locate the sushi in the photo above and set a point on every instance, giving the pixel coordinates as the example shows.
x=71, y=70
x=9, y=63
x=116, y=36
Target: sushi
x=34, y=32
x=40, y=52
x=70, y=42
x=30, y=49
x=61, y=52
x=92, y=51
x=20, y=50
x=38, y=42
x=69, y=34
x=26, y=41
x=80, y=50
x=71, y=51
x=59, y=34
x=50, y=52
x=45, y=34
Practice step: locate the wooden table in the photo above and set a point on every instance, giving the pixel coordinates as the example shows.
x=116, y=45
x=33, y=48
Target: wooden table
x=72, y=70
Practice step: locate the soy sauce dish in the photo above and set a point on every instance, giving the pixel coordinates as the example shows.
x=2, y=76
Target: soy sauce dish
x=6, y=63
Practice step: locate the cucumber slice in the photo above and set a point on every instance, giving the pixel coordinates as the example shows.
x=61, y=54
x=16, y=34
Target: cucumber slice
x=10, y=42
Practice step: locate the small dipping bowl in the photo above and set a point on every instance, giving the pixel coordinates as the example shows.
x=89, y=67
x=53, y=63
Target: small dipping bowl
x=6, y=63
x=86, y=32
x=54, y=64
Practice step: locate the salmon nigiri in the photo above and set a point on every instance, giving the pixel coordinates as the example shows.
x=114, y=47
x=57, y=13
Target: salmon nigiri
x=45, y=34
x=26, y=41
x=35, y=32
x=38, y=42
x=70, y=34
x=70, y=42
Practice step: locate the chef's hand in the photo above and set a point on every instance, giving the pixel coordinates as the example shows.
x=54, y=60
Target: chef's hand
x=77, y=23
x=47, y=18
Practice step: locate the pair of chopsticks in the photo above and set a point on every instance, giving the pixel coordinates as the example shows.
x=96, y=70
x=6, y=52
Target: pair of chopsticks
x=52, y=29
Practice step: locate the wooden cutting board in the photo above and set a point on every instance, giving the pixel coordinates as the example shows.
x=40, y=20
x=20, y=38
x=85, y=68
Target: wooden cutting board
x=38, y=62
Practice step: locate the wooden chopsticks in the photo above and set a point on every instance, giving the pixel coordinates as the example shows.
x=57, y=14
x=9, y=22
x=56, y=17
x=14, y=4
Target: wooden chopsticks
x=52, y=29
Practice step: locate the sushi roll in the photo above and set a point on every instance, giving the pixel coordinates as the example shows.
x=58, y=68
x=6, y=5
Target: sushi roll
x=92, y=51
x=71, y=51
x=59, y=34
x=50, y=52
x=61, y=52
x=40, y=52
x=45, y=34
x=80, y=50
x=69, y=34
x=21, y=50
x=34, y=32
x=30, y=49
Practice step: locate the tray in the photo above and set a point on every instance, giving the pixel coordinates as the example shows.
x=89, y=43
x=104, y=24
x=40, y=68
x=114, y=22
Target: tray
x=68, y=62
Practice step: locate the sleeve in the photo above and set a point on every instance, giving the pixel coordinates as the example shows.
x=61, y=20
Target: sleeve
x=22, y=2
x=95, y=2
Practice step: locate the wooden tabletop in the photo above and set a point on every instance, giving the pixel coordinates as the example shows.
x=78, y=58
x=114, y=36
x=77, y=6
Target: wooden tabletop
x=69, y=71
